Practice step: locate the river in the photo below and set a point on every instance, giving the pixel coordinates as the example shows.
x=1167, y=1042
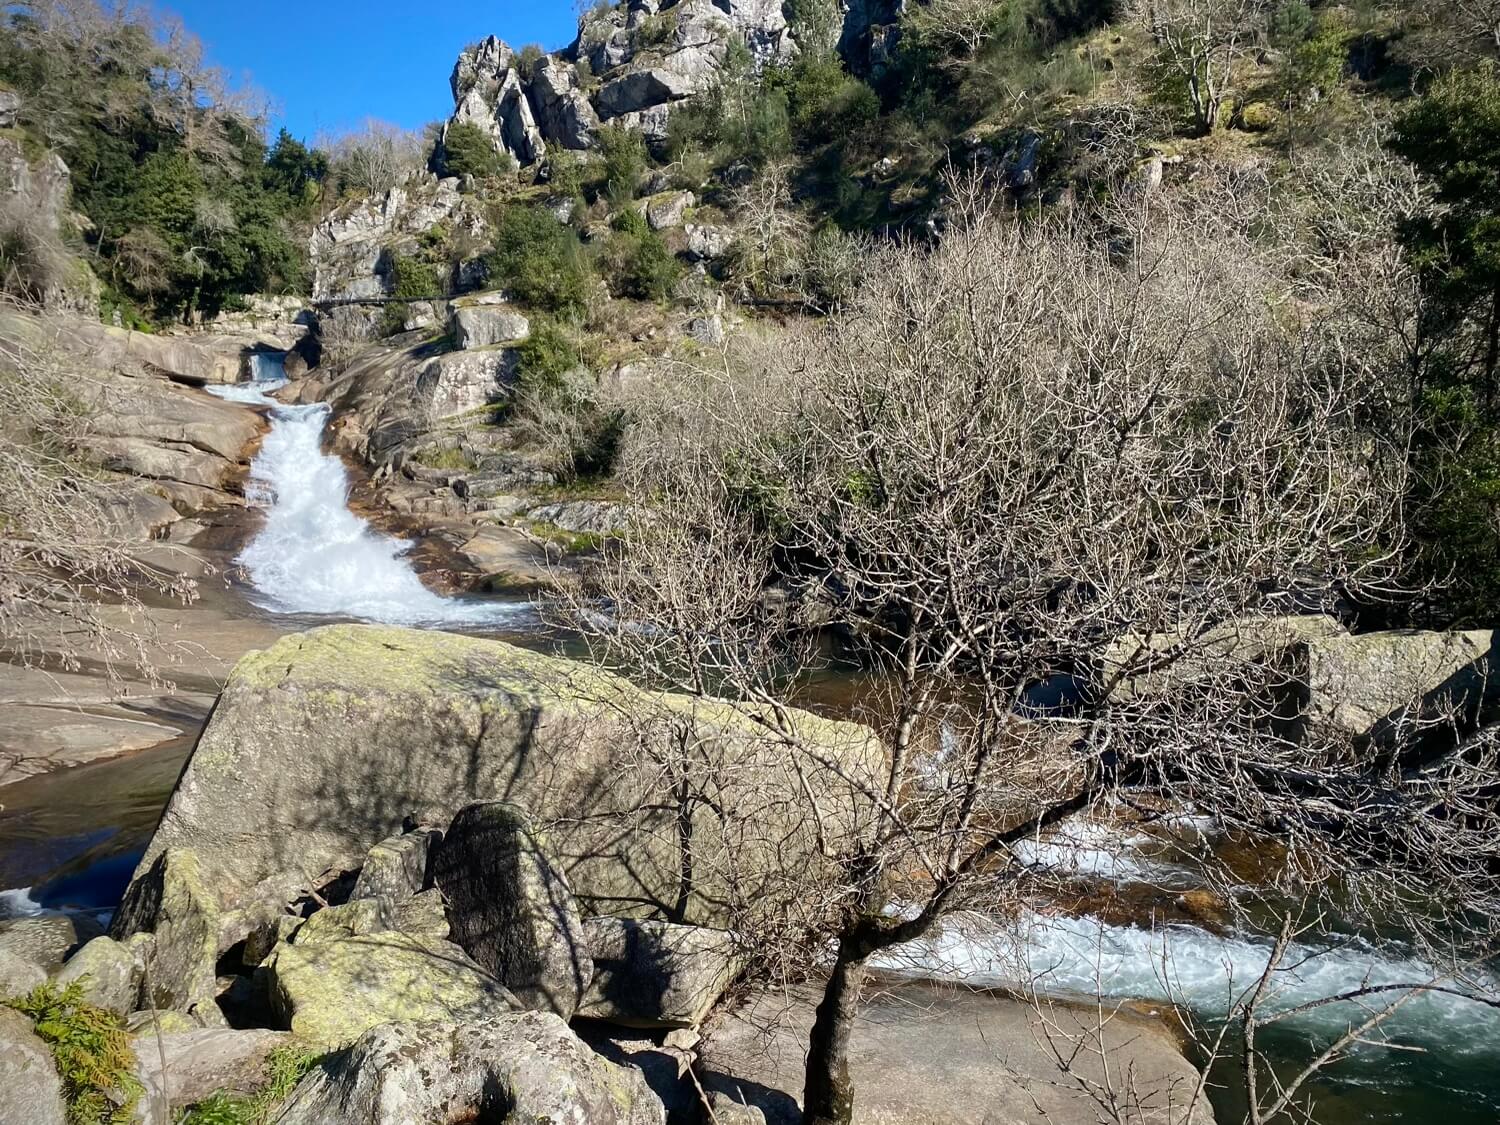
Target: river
x=69, y=841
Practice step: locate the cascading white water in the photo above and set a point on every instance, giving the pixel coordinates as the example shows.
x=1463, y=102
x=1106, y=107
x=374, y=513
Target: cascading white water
x=314, y=555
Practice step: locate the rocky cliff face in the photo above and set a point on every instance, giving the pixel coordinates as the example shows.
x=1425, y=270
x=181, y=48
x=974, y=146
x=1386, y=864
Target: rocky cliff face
x=630, y=64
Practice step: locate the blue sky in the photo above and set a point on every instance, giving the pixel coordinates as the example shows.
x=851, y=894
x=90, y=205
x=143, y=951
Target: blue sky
x=329, y=64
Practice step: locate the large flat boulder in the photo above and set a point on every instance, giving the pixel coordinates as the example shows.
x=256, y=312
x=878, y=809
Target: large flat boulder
x=321, y=747
x=925, y=1055
x=527, y=1067
x=1364, y=683
x=656, y=974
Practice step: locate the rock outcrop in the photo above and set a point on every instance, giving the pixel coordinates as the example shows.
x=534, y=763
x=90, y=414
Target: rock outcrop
x=645, y=59
x=920, y=1055
x=526, y=1067
x=323, y=745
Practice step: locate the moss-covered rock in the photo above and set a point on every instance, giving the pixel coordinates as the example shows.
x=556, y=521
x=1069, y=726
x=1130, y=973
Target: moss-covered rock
x=323, y=745
x=172, y=899
x=331, y=992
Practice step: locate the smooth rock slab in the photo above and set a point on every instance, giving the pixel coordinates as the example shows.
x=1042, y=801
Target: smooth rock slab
x=523, y=1068
x=30, y=1092
x=332, y=992
x=510, y=907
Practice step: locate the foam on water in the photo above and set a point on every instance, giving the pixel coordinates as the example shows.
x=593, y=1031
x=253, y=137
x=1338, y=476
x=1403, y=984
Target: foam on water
x=18, y=903
x=1185, y=964
x=314, y=555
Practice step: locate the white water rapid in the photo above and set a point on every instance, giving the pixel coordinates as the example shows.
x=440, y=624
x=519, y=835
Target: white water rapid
x=314, y=555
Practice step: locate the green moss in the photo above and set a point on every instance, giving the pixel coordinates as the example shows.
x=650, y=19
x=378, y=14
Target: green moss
x=91, y=1048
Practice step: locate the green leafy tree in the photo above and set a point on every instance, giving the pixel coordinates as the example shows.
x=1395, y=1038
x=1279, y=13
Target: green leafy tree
x=1452, y=136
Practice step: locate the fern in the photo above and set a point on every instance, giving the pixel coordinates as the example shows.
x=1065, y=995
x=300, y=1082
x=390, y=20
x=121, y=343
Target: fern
x=91, y=1048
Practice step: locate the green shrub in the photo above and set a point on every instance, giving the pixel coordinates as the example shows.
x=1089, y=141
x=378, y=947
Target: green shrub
x=624, y=162
x=827, y=102
x=530, y=59
x=564, y=173
x=410, y=277
x=539, y=260
x=91, y=1048
x=545, y=356
x=637, y=260
x=469, y=151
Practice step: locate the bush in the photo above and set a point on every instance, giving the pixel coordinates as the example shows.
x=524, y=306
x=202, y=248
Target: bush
x=469, y=151
x=530, y=59
x=624, y=162
x=540, y=261
x=410, y=277
x=637, y=260
x=91, y=1048
x=827, y=102
x=544, y=357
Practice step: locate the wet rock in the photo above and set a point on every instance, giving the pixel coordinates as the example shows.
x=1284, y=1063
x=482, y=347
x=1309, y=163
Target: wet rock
x=331, y=992
x=30, y=1091
x=109, y=972
x=171, y=899
x=530, y=1064
x=396, y=868
x=655, y=974
x=511, y=909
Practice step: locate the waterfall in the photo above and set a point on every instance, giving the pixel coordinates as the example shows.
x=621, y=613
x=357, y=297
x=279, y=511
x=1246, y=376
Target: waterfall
x=314, y=555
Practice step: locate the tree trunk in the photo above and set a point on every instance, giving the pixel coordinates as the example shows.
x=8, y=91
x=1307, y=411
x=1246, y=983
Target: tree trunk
x=828, y=1092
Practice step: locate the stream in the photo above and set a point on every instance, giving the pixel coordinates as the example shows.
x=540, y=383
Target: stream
x=69, y=841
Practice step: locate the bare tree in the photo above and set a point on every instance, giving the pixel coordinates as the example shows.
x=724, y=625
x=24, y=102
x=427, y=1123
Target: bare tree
x=960, y=27
x=1200, y=43
x=70, y=586
x=1039, y=459
x=376, y=157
